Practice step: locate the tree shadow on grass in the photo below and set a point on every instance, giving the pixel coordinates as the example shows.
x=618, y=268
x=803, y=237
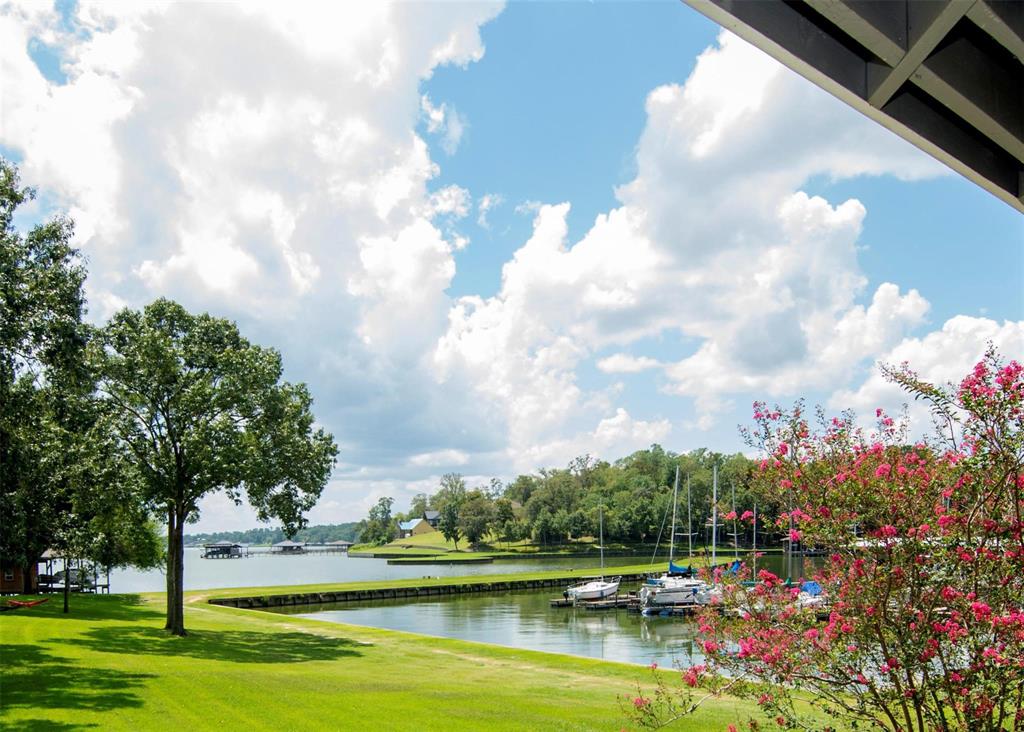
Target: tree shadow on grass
x=34, y=678
x=222, y=645
x=93, y=607
x=47, y=725
x=112, y=607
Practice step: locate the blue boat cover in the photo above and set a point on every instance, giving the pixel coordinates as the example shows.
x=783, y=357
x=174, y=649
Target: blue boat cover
x=811, y=588
x=675, y=569
x=734, y=567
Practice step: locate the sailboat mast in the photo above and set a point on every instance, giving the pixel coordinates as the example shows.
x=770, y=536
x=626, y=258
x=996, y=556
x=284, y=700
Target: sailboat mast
x=600, y=524
x=755, y=540
x=689, y=519
x=735, y=528
x=672, y=536
x=714, y=515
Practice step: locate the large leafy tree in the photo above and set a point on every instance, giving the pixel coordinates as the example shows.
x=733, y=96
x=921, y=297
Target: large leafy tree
x=198, y=409
x=62, y=486
x=42, y=375
x=379, y=527
x=448, y=523
x=476, y=517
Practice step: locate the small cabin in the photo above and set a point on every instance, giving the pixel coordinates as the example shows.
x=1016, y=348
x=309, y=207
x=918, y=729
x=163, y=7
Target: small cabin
x=412, y=527
x=12, y=578
x=223, y=550
x=432, y=517
x=288, y=547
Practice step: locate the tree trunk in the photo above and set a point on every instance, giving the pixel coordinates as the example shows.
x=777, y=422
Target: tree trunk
x=67, y=587
x=179, y=574
x=172, y=560
x=26, y=580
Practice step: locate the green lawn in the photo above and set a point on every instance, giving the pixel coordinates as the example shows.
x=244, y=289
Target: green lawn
x=110, y=666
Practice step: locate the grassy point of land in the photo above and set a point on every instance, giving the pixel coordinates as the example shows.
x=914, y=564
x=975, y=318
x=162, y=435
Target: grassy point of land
x=433, y=544
x=109, y=665
x=587, y=572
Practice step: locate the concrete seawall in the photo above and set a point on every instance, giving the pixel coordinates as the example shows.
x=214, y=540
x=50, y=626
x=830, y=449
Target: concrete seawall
x=393, y=593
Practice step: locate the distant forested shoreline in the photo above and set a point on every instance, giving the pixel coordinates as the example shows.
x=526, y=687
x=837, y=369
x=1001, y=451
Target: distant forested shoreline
x=321, y=534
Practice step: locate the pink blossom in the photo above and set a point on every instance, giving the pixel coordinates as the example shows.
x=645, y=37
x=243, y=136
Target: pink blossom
x=981, y=610
x=883, y=470
x=794, y=535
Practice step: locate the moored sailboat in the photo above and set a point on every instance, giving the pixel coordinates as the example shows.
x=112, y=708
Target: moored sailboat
x=679, y=585
x=597, y=589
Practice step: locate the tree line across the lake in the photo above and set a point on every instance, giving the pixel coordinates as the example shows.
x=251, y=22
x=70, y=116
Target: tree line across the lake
x=263, y=536
x=630, y=499
x=108, y=432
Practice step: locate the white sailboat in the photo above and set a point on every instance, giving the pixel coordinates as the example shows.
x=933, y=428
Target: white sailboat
x=595, y=589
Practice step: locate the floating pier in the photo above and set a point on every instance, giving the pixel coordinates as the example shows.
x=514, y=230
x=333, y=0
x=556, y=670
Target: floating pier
x=607, y=603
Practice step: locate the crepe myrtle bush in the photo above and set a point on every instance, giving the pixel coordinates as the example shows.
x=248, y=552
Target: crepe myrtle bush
x=922, y=627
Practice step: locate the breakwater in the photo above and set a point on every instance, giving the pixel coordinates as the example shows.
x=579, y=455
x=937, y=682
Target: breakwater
x=410, y=591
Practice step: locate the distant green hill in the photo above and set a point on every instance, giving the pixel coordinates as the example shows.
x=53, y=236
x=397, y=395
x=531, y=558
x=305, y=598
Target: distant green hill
x=312, y=534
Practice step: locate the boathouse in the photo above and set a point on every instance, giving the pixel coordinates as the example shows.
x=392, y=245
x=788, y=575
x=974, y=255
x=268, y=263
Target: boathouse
x=341, y=545
x=413, y=527
x=288, y=547
x=223, y=550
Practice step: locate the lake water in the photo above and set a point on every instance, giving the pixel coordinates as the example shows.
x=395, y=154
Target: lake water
x=525, y=620
x=264, y=569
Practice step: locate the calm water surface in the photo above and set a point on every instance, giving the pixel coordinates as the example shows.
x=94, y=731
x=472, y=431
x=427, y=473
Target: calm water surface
x=262, y=570
x=526, y=620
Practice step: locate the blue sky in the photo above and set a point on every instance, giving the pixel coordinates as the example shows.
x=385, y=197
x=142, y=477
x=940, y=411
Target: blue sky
x=492, y=238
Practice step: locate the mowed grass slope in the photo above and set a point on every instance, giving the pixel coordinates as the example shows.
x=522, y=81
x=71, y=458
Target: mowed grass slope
x=109, y=665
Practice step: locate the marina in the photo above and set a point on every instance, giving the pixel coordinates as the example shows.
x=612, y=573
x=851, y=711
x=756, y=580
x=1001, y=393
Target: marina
x=525, y=619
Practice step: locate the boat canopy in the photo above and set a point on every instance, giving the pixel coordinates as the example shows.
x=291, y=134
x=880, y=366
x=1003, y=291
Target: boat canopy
x=811, y=588
x=676, y=570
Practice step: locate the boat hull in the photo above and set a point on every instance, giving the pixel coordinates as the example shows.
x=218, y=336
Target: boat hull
x=592, y=591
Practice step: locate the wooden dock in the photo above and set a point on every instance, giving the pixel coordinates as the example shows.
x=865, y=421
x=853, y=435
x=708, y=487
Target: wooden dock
x=607, y=603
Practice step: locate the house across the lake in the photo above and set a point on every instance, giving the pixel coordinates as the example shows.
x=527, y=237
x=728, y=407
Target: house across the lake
x=288, y=547
x=413, y=527
x=224, y=550
x=432, y=517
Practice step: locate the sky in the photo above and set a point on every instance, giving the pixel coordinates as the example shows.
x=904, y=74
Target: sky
x=492, y=238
